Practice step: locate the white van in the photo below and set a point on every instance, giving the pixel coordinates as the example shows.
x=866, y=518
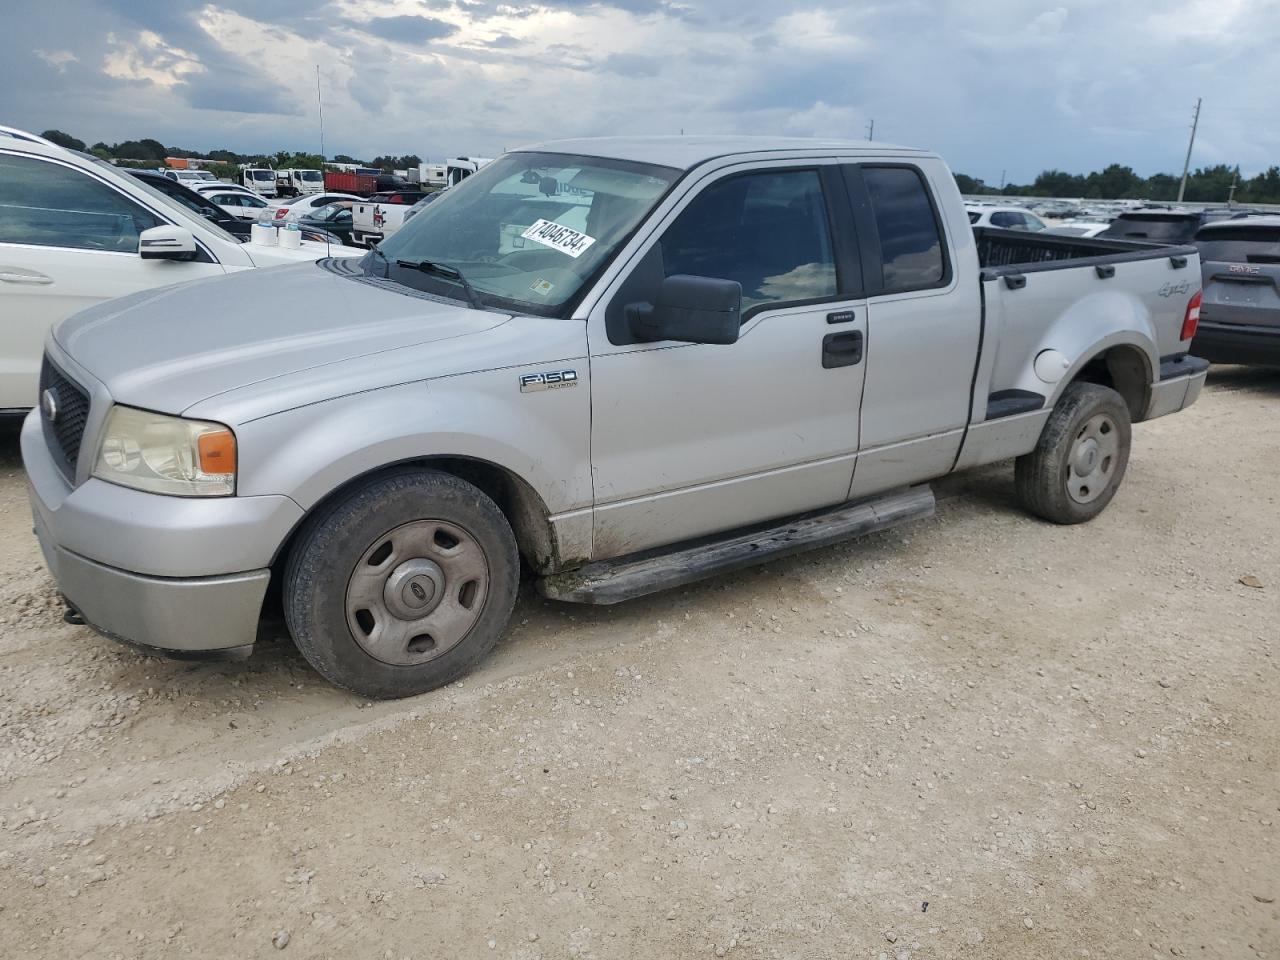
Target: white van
x=74, y=231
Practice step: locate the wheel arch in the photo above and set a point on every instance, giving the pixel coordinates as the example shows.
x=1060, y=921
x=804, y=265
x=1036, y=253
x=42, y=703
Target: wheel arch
x=521, y=505
x=1125, y=367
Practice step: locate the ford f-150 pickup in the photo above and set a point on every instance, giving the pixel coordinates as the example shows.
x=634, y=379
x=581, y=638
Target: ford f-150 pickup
x=625, y=364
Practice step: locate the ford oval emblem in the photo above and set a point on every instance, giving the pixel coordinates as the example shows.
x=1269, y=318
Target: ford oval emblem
x=49, y=405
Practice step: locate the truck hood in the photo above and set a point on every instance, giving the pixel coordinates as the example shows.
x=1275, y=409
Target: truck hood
x=170, y=348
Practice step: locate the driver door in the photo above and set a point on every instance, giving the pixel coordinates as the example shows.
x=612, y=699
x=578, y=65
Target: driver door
x=692, y=439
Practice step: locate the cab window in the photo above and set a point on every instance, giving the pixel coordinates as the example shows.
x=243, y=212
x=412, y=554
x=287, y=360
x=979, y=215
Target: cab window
x=911, y=251
x=50, y=205
x=768, y=230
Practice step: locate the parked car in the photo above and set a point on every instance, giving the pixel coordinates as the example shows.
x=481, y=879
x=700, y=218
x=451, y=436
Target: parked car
x=1007, y=218
x=298, y=207
x=1077, y=228
x=219, y=186
x=75, y=231
x=193, y=199
x=203, y=204
x=561, y=359
x=241, y=205
x=1165, y=225
x=335, y=218
x=190, y=177
x=382, y=215
x=1240, y=317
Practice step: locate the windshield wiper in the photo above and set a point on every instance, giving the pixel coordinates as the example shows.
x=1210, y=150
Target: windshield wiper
x=446, y=271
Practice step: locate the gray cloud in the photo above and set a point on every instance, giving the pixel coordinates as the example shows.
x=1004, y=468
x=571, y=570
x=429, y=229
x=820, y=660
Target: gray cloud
x=988, y=83
x=406, y=29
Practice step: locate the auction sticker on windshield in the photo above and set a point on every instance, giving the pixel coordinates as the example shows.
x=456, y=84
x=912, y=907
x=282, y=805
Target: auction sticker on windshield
x=558, y=237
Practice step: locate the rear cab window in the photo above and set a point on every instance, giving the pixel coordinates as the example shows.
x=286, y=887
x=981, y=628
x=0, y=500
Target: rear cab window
x=912, y=254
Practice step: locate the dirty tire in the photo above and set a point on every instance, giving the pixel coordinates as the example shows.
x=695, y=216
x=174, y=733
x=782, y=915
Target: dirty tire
x=1081, y=456
x=330, y=570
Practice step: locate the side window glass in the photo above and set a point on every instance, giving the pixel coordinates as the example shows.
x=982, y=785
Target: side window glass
x=910, y=242
x=1010, y=221
x=766, y=230
x=47, y=204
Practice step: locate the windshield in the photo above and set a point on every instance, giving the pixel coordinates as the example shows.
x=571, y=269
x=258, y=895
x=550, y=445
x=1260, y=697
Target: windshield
x=527, y=231
x=262, y=174
x=311, y=176
x=162, y=200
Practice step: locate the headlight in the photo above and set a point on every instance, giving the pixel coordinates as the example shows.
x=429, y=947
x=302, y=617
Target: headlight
x=151, y=451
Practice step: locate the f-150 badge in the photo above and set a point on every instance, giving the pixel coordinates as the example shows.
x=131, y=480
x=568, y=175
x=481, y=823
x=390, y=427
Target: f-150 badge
x=533, y=382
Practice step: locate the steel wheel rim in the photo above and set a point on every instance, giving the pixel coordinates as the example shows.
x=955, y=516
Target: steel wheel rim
x=1093, y=458
x=417, y=592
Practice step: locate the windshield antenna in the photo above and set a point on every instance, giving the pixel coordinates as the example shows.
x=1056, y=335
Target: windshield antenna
x=320, y=107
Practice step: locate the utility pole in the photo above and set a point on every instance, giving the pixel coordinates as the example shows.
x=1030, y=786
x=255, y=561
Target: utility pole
x=1002, y=173
x=1231, y=195
x=320, y=107
x=871, y=129
x=1195, y=122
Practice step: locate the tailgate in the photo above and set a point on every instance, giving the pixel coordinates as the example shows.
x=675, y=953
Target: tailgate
x=1242, y=293
x=362, y=215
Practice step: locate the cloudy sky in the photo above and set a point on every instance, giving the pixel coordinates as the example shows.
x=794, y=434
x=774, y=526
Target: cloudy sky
x=991, y=84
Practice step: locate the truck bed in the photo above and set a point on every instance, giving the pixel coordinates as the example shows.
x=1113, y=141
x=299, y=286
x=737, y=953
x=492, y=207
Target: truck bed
x=1007, y=252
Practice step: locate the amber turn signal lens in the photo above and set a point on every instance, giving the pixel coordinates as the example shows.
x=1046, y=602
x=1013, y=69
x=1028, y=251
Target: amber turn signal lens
x=217, y=450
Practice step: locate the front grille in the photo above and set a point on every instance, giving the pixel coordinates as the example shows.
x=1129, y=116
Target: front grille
x=66, y=430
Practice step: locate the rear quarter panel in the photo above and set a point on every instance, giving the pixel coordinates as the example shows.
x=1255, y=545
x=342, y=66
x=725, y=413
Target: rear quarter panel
x=1081, y=315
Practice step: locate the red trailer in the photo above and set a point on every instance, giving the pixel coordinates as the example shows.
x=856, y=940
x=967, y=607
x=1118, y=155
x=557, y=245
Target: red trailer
x=340, y=181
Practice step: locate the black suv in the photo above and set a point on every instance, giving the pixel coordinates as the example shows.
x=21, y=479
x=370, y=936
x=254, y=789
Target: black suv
x=1165, y=226
x=240, y=229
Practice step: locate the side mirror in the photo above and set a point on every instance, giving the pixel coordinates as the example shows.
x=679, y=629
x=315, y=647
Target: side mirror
x=690, y=310
x=167, y=243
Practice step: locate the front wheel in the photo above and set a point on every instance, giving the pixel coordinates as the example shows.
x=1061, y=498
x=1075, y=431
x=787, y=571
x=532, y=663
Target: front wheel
x=1081, y=456
x=403, y=586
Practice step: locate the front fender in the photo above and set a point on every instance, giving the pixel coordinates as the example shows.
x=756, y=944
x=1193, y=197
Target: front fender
x=542, y=437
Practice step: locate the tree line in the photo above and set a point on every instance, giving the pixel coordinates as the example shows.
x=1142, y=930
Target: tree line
x=1118, y=182
x=1115, y=182
x=150, y=153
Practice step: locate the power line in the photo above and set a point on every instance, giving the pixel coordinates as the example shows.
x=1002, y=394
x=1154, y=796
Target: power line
x=1186, y=165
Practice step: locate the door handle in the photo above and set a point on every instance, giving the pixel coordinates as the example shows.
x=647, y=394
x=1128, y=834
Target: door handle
x=842, y=349
x=18, y=275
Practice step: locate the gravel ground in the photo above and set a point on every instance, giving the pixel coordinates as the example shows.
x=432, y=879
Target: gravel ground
x=979, y=736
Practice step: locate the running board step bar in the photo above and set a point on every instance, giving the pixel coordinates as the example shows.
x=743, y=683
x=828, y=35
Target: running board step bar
x=612, y=581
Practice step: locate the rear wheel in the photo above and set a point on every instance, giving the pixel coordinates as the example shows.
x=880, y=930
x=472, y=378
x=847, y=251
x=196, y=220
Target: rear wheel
x=1081, y=456
x=403, y=586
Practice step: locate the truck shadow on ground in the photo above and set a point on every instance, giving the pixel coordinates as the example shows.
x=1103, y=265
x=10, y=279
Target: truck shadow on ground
x=1262, y=381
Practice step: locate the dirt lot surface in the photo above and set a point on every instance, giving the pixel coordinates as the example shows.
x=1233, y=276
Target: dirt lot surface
x=980, y=736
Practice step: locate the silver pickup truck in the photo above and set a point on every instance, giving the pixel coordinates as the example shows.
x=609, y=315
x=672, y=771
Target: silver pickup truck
x=627, y=364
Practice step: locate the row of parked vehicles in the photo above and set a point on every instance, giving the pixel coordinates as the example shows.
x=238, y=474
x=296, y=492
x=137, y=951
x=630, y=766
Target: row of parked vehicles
x=621, y=365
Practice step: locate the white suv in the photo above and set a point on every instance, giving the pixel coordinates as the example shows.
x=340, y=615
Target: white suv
x=75, y=230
